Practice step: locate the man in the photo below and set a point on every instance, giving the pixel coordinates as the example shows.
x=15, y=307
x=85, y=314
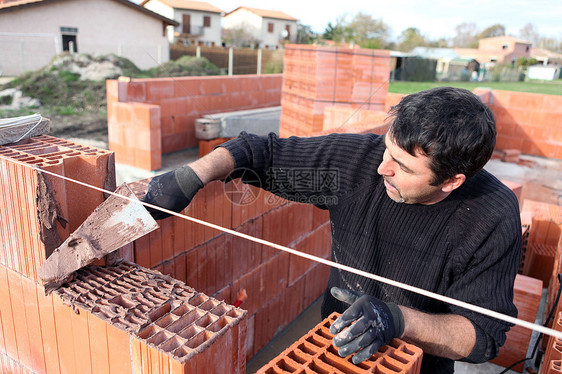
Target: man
x=414, y=206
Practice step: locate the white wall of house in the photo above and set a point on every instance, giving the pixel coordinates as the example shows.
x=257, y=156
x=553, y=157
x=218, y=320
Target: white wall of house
x=160, y=8
x=206, y=35
x=103, y=27
x=258, y=27
x=251, y=22
x=274, y=39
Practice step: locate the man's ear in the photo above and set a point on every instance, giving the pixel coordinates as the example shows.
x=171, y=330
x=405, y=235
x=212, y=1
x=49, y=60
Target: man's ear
x=453, y=183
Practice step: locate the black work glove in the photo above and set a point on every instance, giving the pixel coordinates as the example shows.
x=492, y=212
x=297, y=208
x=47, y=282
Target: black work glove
x=376, y=323
x=173, y=190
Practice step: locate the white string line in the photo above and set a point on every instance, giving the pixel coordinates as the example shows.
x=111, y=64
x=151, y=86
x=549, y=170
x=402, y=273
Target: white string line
x=404, y=286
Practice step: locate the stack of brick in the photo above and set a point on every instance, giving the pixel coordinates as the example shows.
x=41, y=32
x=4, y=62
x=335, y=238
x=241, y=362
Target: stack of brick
x=279, y=286
x=528, y=122
x=117, y=307
x=527, y=293
x=314, y=353
x=151, y=117
x=316, y=77
x=553, y=352
x=102, y=322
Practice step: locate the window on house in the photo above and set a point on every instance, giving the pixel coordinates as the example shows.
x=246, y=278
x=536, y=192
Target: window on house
x=206, y=21
x=287, y=32
x=504, y=46
x=527, y=48
x=270, y=27
x=69, y=38
x=186, y=24
x=69, y=43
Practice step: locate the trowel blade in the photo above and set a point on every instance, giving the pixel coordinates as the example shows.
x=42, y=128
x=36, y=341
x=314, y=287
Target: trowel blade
x=113, y=224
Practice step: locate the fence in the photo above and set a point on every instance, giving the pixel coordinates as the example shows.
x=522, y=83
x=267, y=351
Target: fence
x=244, y=61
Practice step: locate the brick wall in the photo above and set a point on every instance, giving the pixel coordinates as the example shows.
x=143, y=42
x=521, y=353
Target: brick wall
x=39, y=211
x=117, y=319
x=528, y=122
x=279, y=286
x=151, y=117
x=553, y=353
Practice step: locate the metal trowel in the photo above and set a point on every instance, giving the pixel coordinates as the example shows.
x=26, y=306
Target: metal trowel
x=113, y=224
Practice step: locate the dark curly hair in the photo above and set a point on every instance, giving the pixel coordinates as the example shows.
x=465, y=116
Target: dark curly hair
x=450, y=125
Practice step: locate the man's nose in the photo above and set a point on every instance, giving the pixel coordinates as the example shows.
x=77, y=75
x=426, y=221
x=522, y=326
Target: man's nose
x=385, y=168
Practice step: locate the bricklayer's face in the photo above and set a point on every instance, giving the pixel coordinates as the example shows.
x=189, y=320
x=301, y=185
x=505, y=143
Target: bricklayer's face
x=407, y=178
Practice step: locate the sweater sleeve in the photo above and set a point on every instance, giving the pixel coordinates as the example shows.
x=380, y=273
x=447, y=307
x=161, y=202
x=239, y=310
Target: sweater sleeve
x=316, y=170
x=486, y=258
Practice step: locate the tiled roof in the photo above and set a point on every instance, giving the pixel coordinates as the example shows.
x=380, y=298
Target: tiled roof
x=544, y=53
x=11, y=5
x=267, y=13
x=15, y=3
x=191, y=5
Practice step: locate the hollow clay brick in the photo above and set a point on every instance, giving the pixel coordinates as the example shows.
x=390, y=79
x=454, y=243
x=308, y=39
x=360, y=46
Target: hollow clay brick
x=129, y=301
x=314, y=353
x=23, y=187
x=540, y=262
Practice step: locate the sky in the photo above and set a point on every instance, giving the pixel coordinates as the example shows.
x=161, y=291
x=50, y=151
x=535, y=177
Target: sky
x=434, y=18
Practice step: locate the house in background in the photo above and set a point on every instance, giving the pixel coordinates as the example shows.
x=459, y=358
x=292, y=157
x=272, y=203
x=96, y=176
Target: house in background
x=546, y=57
x=32, y=32
x=199, y=22
x=499, y=49
x=271, y=28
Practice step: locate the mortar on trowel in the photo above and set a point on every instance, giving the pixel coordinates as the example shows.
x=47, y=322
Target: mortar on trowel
x=114, y=223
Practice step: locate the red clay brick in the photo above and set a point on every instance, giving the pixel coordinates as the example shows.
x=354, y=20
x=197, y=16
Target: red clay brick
x=314, y=353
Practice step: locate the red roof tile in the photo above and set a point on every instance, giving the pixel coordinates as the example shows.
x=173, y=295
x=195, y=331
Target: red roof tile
x=267, y=13
x=191, y=5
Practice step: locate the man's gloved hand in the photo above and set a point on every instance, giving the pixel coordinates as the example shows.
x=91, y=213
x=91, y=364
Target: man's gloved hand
x=173, y=190
x=376, y=323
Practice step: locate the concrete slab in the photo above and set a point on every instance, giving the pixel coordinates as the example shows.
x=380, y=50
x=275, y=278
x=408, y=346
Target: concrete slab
x=256, y=121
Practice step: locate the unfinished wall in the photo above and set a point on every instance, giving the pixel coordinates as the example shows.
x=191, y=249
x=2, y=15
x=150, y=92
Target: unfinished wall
x=38, y=211
x=117, y=319
x=528, y=122
x=151, y=117
x=279, y=286
x=552, y=361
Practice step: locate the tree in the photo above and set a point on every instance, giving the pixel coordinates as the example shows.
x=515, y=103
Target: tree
x=368, y=32
x=439, y=43
x=333, y=32
x=466, y=36
x=530, y=33
x=493, y=31
x=305, y=35
x=411, y=38
x=238, y=37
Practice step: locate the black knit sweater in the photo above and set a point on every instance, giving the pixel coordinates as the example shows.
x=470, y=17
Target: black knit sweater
x=467, y=246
